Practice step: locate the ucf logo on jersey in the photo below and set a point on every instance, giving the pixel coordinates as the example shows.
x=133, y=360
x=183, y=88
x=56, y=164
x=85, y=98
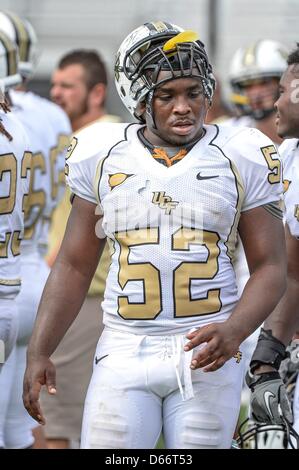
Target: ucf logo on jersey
x=164, y=202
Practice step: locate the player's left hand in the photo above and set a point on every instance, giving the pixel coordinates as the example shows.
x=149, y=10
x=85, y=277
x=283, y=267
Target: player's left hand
x=269, y=398
x=222, y=344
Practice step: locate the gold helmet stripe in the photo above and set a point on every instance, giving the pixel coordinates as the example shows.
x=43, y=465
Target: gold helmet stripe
x=184, y=36
x=159, y=26
x=250, y=55
x=11, y=56
x=22, y=35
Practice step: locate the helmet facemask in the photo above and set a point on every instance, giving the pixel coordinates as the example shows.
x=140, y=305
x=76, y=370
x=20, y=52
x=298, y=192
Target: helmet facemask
x=175, y=51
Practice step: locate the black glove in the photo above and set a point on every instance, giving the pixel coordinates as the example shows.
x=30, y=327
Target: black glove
x=269, y=401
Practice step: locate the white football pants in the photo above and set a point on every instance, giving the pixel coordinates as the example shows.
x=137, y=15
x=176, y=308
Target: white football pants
x=15, y=423
x=143, y=384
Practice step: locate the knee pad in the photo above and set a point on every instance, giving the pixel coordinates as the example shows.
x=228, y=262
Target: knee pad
x=201, y=431
x=106, y=424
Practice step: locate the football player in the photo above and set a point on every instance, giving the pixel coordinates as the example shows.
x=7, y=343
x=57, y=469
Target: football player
x=269, y=401
x=79, y=86
x=254, y=76
x=15, y=164
x=47, y=127
x=169, y=193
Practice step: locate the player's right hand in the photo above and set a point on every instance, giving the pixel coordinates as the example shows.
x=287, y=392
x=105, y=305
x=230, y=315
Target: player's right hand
x=39, y=372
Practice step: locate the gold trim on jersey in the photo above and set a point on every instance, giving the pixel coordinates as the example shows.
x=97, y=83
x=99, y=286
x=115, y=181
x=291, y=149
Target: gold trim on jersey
x=232, y=238
x=296, y=212
x=97, y=179
x=286, y=185
x=10, y=282
x=231, y=241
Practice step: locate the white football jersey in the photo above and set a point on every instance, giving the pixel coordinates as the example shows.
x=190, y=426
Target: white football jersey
x=289, y=151
x=61, y=125
x=172, y=230
x=15, y=162
x=47, y=139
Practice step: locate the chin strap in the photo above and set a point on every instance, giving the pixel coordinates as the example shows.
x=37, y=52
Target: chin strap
x=149, y=109
x=261, y=114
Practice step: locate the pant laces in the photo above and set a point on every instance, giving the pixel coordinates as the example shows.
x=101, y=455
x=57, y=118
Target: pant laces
x=182, y=360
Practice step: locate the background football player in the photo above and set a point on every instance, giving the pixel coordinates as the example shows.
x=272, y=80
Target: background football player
x=283, y=323
x=47, y=127
x=15, y=164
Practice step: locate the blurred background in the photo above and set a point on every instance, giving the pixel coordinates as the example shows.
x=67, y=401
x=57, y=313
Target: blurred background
x=223, y=25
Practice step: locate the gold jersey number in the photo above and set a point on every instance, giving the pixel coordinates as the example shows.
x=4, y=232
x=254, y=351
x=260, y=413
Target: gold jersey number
x=9, y=165
x=183, y=274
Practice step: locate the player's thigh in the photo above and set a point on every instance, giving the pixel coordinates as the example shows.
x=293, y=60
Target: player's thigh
x=120, y=411
x=34, y=275
x=208, y=420
x=8, y=328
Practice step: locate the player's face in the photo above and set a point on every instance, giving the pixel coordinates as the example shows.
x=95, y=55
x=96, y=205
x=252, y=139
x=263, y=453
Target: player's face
x=68, y=90
x=287, y=105
x=261, y=93
x=179, y=108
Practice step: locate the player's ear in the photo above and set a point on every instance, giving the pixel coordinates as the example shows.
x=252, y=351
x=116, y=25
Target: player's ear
x=98, y=94
x=142, y=109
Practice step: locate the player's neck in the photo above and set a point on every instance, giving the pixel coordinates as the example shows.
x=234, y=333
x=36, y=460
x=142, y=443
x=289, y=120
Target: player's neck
x=86, y=118
x=267, y=126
